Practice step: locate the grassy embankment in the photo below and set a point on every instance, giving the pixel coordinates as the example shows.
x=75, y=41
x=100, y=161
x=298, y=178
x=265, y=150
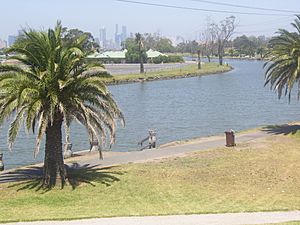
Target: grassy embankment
x=260, y=175
x=186, y=71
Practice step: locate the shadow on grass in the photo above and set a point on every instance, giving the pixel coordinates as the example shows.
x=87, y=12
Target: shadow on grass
x=31, y=177
x=284, y=129
x=78, y=174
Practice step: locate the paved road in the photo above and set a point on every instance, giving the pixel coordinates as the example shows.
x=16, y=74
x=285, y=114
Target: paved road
x=115, y=69
x=204, y=219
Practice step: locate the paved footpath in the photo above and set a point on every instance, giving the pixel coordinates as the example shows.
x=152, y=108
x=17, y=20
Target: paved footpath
x=204, y=219
x=169, y=151
x=117, y=158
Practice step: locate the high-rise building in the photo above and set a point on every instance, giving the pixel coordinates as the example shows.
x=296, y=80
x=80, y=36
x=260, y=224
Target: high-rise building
x=117, y=29
x=124, y=33
x=102, y=39
x=3, y=44
x=11, y=40
x=117, y=37
x=120, y=37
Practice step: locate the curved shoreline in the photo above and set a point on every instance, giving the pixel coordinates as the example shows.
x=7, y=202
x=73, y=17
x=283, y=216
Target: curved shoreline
x=201, y=143
x=154, y=76
x=84, y=156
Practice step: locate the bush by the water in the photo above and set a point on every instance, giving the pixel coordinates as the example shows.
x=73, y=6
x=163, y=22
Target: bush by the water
x=167, y=59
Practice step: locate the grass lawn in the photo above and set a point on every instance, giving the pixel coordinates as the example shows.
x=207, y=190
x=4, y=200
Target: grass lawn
x=189, y=70
x=261, y=175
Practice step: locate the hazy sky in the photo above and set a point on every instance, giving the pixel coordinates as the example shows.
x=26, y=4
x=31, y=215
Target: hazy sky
x=90, y=15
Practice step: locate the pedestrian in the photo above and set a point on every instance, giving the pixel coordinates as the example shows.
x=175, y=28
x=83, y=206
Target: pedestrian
x=152, y=139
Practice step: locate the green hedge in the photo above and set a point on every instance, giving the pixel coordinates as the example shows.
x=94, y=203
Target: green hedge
x=167, y=59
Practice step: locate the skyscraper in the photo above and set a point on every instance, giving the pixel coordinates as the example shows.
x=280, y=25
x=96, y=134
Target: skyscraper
x=117, y=37
x=124, y=33
x=117, y=29
x=102, y=38
x=3, y=44
x=11, y=40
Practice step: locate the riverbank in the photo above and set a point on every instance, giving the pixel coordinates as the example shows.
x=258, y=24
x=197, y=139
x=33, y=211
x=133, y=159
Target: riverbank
x=195, y=56
x=167, y=74
x=261, y=173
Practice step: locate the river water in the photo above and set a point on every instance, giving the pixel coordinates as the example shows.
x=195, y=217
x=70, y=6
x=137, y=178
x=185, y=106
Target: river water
x=180, y=109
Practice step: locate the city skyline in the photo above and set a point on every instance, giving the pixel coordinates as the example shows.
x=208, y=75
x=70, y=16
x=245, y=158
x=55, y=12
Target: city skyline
x=187, y=20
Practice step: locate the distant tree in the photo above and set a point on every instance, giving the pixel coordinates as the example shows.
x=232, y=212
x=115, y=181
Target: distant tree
x=231, y=52
x=245, y=46
x=164, y=45
x=261, y=51
x=283, y=66
x=207, y=44
x=222, y=32
x=250, y=45
x=150, y=41
x=71, y=35
x=153, y=41
x=181, y=47
x=52, y=86
x=193, y=47
x=133, y=55
x=139, y=41
x=262, y=46
x=188, y=47
x=207, y=41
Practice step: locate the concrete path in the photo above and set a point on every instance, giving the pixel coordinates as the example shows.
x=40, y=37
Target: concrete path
x=168, y=150
x=116, y=158
x=204, y=219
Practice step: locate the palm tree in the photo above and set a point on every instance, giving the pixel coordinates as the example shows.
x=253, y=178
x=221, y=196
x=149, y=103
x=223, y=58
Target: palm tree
x=283, y=66
x=139, y=41
x=50, y=87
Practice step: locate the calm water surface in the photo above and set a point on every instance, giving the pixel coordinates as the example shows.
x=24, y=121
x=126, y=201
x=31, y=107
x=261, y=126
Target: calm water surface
x=181, y=109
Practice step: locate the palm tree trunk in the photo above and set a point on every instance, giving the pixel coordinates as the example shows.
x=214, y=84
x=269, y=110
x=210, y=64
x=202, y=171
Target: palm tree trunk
x=141, y=65
x=199, y=60
x=220, y=60
x=54, y=163
x=141, y=59
x=208, y=57
x=220, y=53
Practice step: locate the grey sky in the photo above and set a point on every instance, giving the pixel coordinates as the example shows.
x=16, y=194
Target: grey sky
x=90, y=15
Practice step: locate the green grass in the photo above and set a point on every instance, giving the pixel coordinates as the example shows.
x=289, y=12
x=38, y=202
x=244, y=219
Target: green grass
x=254, y=176
x=186, y=71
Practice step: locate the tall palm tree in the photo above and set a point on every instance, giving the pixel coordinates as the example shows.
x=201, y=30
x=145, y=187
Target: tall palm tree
x=50, y=87
x=139, y=41
x=283, y=66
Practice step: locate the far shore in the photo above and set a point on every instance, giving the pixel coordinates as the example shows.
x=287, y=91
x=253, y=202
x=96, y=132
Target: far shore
x=168, y=74
x=189, y=70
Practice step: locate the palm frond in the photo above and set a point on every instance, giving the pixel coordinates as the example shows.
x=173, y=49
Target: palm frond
x=53, y=78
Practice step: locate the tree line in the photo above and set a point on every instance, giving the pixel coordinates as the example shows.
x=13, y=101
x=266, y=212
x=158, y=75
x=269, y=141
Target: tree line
x=215, y=41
